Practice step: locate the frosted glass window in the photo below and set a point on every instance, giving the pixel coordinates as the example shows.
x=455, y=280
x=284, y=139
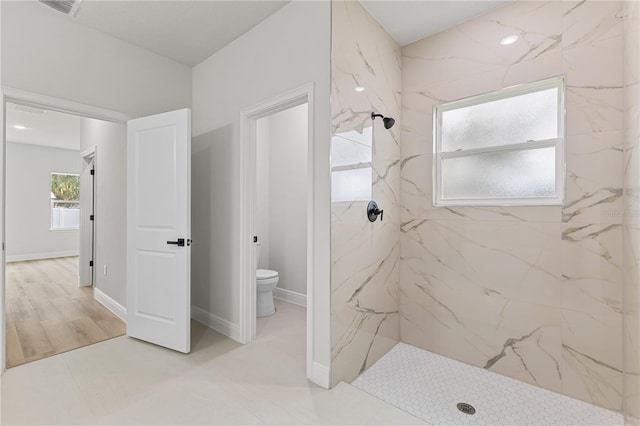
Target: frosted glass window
x=502, y=174
x=527, y=117
x=351, y=154
x=351, y=185
x=501, y=148
x=352, y=147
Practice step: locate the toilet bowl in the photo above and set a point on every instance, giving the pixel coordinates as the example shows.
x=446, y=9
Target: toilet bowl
x=266, y=281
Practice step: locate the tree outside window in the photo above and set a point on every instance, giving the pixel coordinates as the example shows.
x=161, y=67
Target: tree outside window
x=65, y=201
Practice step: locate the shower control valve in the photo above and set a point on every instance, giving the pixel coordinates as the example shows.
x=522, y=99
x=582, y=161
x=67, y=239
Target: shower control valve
x=373, y=212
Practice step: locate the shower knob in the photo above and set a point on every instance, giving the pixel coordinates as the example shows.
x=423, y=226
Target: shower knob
x=373, y=212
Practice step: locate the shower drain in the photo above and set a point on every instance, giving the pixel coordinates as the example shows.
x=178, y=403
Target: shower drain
x=466, y=408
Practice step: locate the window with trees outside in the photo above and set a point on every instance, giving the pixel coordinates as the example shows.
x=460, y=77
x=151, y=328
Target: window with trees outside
x=501, y=148
x=65, y=201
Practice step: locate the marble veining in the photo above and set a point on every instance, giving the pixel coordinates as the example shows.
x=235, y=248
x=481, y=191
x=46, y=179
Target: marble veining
x=631, y=214
x=534, y=293
x=365, y=256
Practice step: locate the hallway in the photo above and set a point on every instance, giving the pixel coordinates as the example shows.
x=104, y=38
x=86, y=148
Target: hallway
x=47, y=313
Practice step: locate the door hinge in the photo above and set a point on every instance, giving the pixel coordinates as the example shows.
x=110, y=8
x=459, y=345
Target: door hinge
x=91, y=217
x=93, y=172
x=91, y=263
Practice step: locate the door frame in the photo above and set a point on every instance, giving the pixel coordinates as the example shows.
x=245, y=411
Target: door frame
x=36, y=100
x=88, y=156
x=247, y=270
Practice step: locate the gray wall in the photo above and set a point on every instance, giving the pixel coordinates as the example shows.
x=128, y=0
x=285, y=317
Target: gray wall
x=263, y=143
x=50, y=54
x=110, y=140
x=287, y=50
x=29, y=234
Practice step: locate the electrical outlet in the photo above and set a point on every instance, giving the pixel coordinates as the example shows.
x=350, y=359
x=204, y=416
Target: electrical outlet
x=105, y=270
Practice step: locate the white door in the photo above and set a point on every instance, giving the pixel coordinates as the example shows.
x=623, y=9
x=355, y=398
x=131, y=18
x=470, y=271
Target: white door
x=158, y=229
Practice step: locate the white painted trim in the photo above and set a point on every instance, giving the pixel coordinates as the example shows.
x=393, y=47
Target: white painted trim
x=320, y=375
x=89, y=153
x=115, y=307
x=87, y=278
x=37, y=100
x=24, y=97
x=38, y=256
x=247, y=179
x=290, y=296
x=220, y=325
x=3, y=227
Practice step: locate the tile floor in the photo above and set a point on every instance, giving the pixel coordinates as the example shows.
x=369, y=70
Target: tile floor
x=429, y=386
x=126, y=381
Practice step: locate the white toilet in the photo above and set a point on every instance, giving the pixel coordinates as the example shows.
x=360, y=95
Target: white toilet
x=266, y=281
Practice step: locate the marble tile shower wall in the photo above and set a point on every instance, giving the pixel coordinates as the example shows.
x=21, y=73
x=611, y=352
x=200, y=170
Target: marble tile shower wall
x=534, y=293
x=365, y=256
x=631, y=234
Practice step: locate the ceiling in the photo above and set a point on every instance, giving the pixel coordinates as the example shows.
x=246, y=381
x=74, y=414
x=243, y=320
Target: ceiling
x=409, y=21
x=189, y=31
x=185, y=31
x=45, y=128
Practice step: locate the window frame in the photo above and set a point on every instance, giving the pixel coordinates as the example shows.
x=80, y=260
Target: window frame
x=52, y=202
x=558, y=82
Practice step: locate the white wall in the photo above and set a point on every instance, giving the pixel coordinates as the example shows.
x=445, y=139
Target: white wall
x=289, y=49
x=110, y=213
x=263, y=142
x=28, y=174
x=48, y=53
x=287, y=201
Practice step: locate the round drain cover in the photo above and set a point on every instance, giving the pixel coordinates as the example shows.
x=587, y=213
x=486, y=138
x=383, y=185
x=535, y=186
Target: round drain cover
x=466, y=408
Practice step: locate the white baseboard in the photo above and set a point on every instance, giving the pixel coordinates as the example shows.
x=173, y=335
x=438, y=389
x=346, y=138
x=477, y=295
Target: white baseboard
x=290, y=296
x=38, y=256
x=117, y=309
x=320, y=375
x=220, y=325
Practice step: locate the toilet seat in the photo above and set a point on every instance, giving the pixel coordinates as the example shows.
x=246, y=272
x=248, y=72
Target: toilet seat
x=265, y=274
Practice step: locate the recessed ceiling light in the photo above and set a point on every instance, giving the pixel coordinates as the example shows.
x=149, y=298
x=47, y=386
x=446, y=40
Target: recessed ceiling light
x=19, y=127
x=359, y=89
x=509, y=40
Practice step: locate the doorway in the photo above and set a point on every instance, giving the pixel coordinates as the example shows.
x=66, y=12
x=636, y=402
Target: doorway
x=281, y=208
x=249, y=219
x=47, y=291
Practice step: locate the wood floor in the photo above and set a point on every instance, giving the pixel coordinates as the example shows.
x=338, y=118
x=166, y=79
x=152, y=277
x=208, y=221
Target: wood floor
x=47, y=313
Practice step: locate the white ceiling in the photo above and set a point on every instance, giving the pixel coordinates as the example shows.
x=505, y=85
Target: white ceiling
x=46, y=128
x=185, y=31
x=409, y=21
x=189, y=31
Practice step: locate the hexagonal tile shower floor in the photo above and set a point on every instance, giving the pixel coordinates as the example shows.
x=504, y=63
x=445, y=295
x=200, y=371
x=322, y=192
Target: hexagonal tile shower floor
x=431, y=387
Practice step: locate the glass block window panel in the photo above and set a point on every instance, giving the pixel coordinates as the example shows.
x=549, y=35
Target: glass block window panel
x=522, y=174
x=351, y=185
x=351, y=154
x=352, y=147
x=502, y=148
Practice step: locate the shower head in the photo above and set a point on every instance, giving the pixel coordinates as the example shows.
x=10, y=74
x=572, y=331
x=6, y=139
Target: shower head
x=387, y=121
